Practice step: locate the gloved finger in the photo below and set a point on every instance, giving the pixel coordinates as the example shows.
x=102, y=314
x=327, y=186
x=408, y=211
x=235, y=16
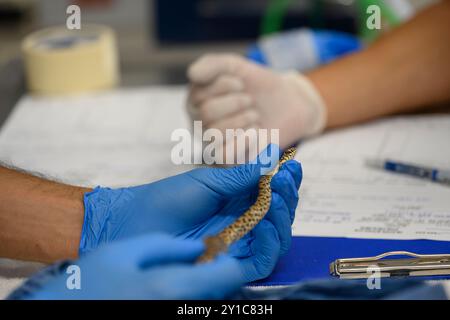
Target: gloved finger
x=265, y=252
x=162, y=249
x=211, y=66
x=222, y=85
x=213, y=280
x=240, y=179
x=279, y=215
x=283, y=183
x=243, y=118
x=219, y=107
x=295, y=168
x=241, y=248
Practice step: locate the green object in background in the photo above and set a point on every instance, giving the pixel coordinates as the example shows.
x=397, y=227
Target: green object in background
x=276, y=13
x=274, y=16
x=277, y=9
x=388, y=16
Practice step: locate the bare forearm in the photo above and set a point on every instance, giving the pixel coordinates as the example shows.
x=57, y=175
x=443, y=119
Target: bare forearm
x=407, y=69
x=40, y=220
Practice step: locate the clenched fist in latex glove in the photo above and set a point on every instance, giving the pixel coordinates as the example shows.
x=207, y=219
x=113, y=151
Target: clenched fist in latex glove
x=229, y=92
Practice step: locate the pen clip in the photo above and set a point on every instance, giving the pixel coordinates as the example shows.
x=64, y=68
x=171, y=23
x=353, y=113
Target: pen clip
x=415, y=265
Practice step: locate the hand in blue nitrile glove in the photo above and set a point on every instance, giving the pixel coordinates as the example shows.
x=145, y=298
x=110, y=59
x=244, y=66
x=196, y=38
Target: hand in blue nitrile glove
x=198, y=203
x=148, y=267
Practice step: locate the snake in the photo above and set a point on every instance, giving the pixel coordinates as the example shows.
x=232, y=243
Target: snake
x=249, y=219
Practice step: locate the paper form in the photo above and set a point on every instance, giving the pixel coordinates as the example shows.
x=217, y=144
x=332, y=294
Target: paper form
x=342, y=197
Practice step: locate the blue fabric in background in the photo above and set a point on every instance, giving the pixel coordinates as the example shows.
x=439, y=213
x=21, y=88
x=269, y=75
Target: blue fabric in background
x=391, y=289
x=331, y=45
x=255, y=54
x=309, y=257
x=328, y=45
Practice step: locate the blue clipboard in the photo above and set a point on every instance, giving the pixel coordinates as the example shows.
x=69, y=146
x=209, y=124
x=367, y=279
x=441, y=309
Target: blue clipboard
x=309, y=257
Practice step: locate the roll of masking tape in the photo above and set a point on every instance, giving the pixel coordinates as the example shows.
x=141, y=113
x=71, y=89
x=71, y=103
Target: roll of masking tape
x=62, y=61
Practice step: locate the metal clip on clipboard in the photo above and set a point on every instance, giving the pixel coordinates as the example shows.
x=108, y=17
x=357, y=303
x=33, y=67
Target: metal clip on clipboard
x=416, y=265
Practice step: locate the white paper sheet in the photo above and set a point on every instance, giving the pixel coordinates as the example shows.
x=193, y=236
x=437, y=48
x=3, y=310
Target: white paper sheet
x=117, y=138
x=342, y=197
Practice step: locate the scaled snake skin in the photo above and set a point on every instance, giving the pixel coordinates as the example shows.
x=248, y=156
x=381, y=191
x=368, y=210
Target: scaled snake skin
x=249, y=219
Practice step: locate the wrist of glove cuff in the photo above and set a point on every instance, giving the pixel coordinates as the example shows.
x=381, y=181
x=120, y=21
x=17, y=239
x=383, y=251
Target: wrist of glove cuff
x=98, y=206
x=315, y=109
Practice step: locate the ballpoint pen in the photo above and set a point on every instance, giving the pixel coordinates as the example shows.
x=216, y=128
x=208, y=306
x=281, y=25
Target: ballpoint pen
x=433, y=174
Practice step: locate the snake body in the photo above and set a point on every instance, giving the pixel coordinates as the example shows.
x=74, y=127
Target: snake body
x=249, y=219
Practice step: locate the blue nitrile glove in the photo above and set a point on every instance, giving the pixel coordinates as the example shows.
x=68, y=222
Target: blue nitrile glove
x=198, y=203
x=302, y=49
x=148, y=267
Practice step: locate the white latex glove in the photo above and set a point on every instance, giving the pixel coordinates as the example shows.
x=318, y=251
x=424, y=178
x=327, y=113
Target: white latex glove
x=229, y=92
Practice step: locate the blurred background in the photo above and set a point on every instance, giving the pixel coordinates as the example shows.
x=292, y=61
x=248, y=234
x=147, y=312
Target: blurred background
x=157, y=39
